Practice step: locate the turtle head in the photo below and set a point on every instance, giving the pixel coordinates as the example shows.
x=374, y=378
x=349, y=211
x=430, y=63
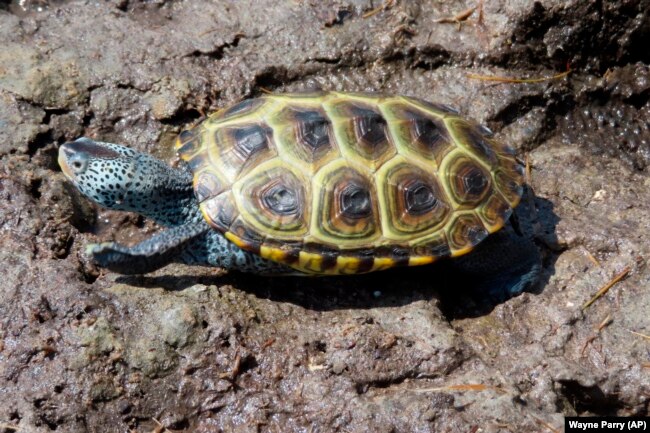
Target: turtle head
x=120, y=178
x=106, y=173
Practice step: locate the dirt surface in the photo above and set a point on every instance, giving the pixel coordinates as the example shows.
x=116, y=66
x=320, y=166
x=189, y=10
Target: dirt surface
x=190, y=349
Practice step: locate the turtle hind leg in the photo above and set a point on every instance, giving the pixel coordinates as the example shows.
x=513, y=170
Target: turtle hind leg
x=164, y=247
x=503, y=266
x=215, y=250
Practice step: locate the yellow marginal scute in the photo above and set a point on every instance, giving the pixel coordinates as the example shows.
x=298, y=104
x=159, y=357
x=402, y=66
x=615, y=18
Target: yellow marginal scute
x=275, y=254
x=310, y=262
x=347, y=265
x=421, y=260
x=462, y=251
x=237, y=241
x=206, y=217
x=382, y=263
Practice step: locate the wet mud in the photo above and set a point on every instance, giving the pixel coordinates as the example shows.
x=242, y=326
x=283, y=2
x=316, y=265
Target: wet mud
x=192, y=349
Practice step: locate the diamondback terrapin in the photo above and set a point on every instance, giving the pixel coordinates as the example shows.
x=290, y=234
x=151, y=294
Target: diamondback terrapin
x=320, y=183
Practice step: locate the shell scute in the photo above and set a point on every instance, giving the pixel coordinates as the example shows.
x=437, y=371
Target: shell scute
x=418, y=134
x=188, y=142
x=207, y=184
x=221, y=211
x=273, y=199
x=304, y=134
x=361, y=131
x=465, y=232
x=239, y=109
x=345, y=205
x=238, y=148
x=440, y=110
x=413, y=200
x=467, y=135
x=435, y=245
x=468, y=181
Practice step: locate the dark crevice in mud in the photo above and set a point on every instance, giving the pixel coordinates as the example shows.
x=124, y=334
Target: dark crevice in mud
x=638, y=50
x=87, y=309
x=363, y=387
x=53, y=111
x=432, y=57
x=124, y=86
x=399, y=57
x=87, y=119
x=183, y=118
x=271, y=78
x=324, y=60
x=45, y=138
x=517, y=108
x=89, y=276
x=35, y=188
x=320, y=346
x=180, y=425
x=41, y=141
x=248, y=363
x=52, y=425
x=639, y=100
x=589, y=399
x=50, y=156
x=43, y=311
x=122, y=5
x=220, y=51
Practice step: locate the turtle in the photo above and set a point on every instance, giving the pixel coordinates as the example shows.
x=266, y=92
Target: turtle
x=321, y=183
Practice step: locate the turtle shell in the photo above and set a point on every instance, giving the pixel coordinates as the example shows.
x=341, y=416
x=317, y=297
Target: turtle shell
x=344, y=183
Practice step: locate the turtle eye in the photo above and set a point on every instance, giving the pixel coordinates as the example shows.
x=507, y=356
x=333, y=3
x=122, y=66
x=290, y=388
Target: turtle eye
x=78, y=163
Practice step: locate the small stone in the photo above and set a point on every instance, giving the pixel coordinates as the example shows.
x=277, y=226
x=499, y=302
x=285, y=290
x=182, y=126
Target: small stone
x=177, y=325
x=338, y=367
x=429, y=415
x=599, y=195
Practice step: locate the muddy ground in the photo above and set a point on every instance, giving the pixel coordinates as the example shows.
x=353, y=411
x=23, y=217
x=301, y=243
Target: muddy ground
x=190, y=349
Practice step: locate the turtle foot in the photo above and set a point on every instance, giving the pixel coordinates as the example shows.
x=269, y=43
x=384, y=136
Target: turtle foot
x=504, y=266
x=114, y=257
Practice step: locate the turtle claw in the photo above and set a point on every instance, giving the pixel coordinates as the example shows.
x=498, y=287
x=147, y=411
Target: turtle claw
x=108, y=255
x=92, y=249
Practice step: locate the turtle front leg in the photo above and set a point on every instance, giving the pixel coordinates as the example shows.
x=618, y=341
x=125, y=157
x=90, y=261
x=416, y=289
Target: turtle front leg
x=159, y=250
x=194, y=243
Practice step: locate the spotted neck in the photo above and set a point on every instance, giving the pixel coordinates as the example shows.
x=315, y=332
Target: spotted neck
x=161, y=193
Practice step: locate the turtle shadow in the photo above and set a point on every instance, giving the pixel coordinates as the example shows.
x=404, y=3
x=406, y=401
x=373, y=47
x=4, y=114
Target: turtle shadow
x=457, y=293
x=467, y=298
x=394, y=287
